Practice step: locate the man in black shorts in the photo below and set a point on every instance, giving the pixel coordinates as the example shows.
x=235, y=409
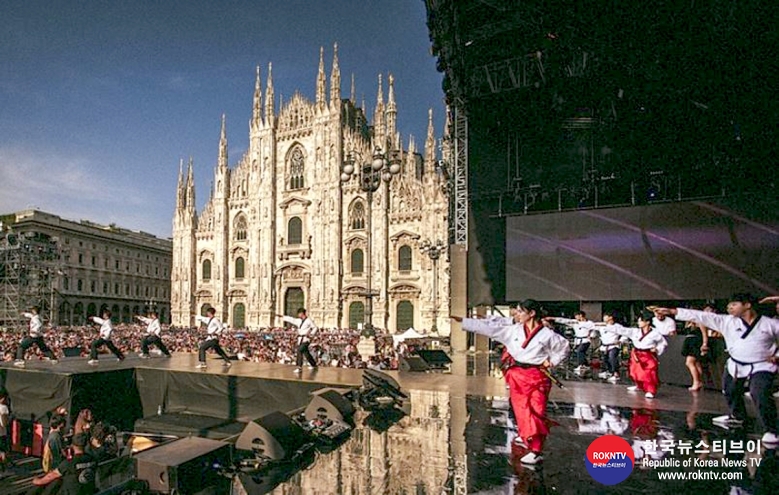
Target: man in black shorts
x=74, y=476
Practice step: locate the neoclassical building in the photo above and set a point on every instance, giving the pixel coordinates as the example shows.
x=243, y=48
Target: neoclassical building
x=281, y=230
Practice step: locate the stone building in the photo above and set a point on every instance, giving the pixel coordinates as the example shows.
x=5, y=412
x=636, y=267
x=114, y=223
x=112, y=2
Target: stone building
x=281, y=229
x=91, y=267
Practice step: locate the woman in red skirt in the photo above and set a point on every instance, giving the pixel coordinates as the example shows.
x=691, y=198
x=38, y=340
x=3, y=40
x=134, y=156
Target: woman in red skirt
x=648, y=344
x=532, y=348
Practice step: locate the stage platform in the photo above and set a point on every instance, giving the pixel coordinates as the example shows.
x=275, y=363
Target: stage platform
x=457, y=437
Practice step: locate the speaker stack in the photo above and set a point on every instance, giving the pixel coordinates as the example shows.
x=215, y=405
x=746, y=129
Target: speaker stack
x=274, y=436
x=328, y=404
x=425, y=360
x=413, y=363
x=186, y=465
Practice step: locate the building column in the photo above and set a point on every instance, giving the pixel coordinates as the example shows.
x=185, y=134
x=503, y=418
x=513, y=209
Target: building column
x=458, y=292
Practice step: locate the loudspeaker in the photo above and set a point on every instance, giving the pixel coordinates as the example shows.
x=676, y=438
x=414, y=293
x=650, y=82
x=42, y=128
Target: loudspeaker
x=413, y=363
x=274, y=436
x=329, y=404
x=435, y=358
x=183, y=466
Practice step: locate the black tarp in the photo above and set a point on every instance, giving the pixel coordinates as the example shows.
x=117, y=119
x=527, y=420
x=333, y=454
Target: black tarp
x=219, y=396
x=34, y=394
x=111, y=395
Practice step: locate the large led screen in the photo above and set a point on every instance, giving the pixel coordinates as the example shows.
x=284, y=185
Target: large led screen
x=688, y=250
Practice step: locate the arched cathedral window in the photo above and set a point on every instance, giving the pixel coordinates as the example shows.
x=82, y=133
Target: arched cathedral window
x=357, y=262
x=239, y=268
x=404, y=258
x=297, y=168
x=405, y=316
x=206, y=269
x=357, y=218
x=295, y=231
x=240, y=228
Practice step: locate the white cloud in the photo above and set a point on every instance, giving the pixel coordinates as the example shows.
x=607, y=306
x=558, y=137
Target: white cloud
x=74, y=188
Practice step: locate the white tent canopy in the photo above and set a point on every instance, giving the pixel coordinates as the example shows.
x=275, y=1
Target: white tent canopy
x=408, y=334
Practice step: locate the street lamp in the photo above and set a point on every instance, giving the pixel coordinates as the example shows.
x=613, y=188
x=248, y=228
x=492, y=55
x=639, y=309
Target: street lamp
x=434, y=250
x=382, y=167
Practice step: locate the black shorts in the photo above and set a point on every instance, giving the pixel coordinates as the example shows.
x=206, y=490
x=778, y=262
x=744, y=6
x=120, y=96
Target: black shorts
x=692, y=345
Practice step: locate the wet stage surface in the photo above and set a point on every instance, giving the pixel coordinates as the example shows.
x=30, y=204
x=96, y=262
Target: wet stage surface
x=456, y=437
x=459, y=433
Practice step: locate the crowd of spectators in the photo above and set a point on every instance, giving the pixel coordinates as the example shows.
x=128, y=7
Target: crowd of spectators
x=331, y=347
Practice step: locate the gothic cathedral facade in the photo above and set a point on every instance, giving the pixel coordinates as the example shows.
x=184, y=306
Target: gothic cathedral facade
x=282, y=230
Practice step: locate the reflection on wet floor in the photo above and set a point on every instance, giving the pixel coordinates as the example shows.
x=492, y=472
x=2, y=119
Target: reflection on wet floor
x=450, y=444
x=654, y=435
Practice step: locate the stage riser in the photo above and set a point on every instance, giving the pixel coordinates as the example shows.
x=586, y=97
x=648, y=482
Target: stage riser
x=121, y=397
x=227, y=397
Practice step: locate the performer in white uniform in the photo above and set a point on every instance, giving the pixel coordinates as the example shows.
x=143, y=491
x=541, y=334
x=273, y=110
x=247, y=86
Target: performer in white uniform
x=665, y=325
x=153, y=330
x=214, y=328
x=609, y=347
x=35, y=338
x=753, y=345
x=306, y=329
x=648, y=345
x=106, y=329
x=534, y=349
x=582, y=328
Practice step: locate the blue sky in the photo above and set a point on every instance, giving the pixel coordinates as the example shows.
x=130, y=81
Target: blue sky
x=100, y=100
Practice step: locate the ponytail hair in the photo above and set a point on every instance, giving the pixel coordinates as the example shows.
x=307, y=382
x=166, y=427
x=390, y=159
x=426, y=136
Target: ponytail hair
x=529, y=305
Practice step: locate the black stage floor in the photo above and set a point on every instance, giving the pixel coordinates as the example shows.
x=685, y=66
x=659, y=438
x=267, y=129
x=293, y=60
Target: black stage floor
x=458, y=435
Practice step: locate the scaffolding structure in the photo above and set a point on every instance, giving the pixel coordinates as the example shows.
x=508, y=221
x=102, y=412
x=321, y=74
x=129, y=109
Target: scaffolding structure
x=28, y=269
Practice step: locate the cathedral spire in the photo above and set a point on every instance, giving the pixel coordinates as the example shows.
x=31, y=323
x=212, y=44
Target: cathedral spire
x=335, y=80
x=190, y=199
x=351, y=93
x=392, y=114
x=269, y=110
x=180, y=187
x=257, y=107
x=222, y=162
x=320, y=80
x=430, y=141
x=378, y=117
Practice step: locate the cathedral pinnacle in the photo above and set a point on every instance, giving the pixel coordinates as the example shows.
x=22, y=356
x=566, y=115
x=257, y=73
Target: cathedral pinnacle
x=222, y=163
x=320, y=80
x=335, y=79
x=430, y=141
x=378, y=117
x=190, y=199
x=180, y=188
x=269, y=110
x=257, y=107
x=392, y=113
x=351, y=93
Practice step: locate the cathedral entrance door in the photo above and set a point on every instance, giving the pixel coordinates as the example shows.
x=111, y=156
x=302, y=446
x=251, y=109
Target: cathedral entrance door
x=294, y=299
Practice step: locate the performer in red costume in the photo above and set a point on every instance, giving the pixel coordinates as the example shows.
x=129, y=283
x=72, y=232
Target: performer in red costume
x=533, y=349
x=648, y=344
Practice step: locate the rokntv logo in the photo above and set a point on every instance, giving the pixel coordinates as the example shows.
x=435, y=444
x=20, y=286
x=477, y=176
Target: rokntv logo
x=609, y=459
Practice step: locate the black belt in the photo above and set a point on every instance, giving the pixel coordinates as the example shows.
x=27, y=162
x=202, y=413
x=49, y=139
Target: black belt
x=747, y=364
x=524, y=365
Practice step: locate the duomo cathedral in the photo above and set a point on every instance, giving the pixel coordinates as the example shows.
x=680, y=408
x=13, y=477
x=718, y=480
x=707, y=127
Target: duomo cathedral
x=283, y=230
